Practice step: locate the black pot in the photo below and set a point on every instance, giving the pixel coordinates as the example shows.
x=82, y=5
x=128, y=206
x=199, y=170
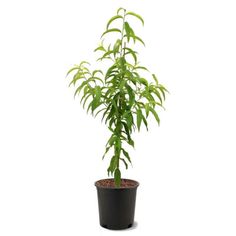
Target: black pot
x=116, y=206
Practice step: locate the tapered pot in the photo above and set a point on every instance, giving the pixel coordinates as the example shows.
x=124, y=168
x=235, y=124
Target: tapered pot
x=116, y=205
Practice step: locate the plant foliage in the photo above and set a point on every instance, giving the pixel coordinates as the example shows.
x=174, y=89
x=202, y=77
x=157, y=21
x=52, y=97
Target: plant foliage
x=121, y=95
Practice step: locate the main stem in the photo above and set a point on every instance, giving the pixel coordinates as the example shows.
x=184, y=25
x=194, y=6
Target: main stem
x=119, y=102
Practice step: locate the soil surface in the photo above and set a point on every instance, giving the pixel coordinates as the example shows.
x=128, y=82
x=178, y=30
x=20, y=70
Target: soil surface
x=109, y=183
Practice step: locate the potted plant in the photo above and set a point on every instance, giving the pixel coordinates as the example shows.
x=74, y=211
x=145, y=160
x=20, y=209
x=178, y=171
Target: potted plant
x=124, y=99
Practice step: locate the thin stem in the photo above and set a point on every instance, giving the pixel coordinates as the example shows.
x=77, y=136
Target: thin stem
x=118, y=128
x=122, y=34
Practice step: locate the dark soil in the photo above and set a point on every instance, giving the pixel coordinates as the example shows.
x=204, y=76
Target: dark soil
x=109, y=183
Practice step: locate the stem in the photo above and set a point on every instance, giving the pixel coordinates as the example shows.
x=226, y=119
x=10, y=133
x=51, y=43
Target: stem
x=118, y=128
x=122, y=34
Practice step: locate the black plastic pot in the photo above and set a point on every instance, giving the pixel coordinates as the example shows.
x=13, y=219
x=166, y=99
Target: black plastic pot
x=116, y=206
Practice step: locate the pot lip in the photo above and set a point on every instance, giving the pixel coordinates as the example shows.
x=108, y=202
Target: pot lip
x=130, y=187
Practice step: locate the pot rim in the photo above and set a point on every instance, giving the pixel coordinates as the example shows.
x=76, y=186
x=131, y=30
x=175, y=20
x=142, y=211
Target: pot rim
x=130, y=187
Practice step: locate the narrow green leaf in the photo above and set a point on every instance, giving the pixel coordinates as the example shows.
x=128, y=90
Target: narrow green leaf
x=127, y=131
x=155, y=78
x=111, y=30
x=107, y=149
x=117, y=177
x=126, y=154
x=131, y=142
x=108, y=53
x=163, y=90
x=84, y=62
x=147, y=109
x=125, y=163
x=112, y=140
x=143, y=81
x=155, y=115
x=136, y=15
x=86, y=99
x=77, y=77
x=121, y=8
x=140, y=40
x=97, y=78
x=131, y=95
x=96, y=71
x=100, y=111
x=127, y=30
x=86, y=90
x=141, y=68
x=116, y=47
x=129, y=119
x=113, y=164
x=139, y=118
x=154, y=90
x=145, y=122
x=133, y=53
x=77, y=91
x=72, y=69
x=100, y=48
x=112, y=19
x=89, y=106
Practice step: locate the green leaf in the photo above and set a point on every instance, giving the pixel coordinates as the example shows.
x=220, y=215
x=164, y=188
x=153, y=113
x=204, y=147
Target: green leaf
x=136, y=15
x=127, y=30
x=147, y=109
x=100, y=48
x=126, y=154
x=86, y=90
x=112, y=140
x=117, y=177
x=96, y=71
x=117, y=46
x=143, y=81
x=163, y=90
x=131, y=95
x=155, y=78
x=77, y=91
x=121, y=8
x=112, y=19
x=125, y=163
x=108, y=53
x=100, y=111
x=72, y=69
x=131, y=142
x=155, y=115
x=127, y=131
x=84, y=62
x=139, y=118
x=107, y=149
x=141, y=68
x=106, y=111
x=113, y=164
x=140, y=40
x=86, y=99
x=145, y=122
x=111, y=30
x=129, y=119
x=133, y=53
x=154, y=90
x=77, y=77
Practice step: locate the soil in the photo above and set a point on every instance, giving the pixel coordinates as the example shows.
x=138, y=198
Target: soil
x=109, y=183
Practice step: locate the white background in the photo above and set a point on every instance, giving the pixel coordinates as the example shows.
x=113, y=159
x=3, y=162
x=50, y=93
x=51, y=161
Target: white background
x=50, y=153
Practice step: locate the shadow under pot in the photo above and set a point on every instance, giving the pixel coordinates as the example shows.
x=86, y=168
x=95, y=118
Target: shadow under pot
x=116, y=204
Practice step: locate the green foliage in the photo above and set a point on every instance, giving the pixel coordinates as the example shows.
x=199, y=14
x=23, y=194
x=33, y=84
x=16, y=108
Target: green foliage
x=123, y=97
